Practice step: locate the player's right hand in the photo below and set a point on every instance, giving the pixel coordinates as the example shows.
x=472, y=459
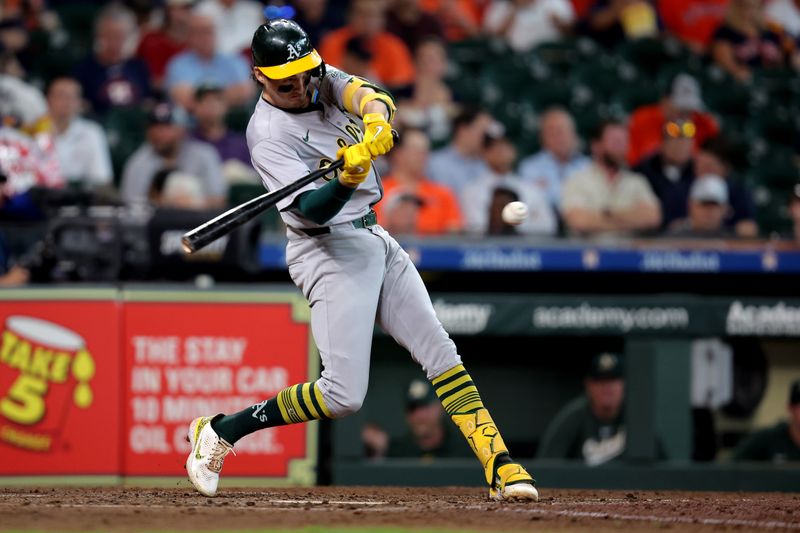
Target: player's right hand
x=357, y=162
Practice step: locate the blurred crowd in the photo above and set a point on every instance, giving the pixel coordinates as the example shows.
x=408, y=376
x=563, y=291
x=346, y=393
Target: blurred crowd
x=622, y=117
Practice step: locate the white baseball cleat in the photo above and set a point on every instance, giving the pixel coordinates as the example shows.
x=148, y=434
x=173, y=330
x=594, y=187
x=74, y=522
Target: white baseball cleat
x=518, y=492
x=207, y=455
x=513, y=483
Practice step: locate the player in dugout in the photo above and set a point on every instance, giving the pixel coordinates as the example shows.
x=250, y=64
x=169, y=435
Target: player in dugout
x=353, y=273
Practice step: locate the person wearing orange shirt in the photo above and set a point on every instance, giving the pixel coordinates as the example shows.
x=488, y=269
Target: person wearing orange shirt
x=391, y=60
x=693, y=21
x=683, y=102
x=408, y=194
x=461, y=19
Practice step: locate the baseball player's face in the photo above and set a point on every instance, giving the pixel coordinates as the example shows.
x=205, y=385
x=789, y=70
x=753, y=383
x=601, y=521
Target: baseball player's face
x=288, y=93
x=605, y=397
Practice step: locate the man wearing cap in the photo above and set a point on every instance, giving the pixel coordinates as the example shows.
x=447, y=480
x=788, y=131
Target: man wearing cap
x=428, y=435
x=708, y=205
x=779, y=443
x=683, y=101
x=592, y=427
x=167, y=147
x=718, y=155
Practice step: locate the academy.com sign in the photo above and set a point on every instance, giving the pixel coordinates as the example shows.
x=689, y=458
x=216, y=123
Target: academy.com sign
x=774, y=320
x=601, y=317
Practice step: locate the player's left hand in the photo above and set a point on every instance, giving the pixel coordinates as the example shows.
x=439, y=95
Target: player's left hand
x=377, y=134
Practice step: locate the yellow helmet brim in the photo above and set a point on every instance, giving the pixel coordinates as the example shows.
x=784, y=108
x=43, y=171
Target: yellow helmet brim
x=279, y=72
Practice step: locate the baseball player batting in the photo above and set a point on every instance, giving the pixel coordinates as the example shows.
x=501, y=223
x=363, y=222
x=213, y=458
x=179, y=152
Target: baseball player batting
x=352, y=272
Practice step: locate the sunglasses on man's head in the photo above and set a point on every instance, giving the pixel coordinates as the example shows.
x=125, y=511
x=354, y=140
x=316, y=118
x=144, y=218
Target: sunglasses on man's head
x=677, y=130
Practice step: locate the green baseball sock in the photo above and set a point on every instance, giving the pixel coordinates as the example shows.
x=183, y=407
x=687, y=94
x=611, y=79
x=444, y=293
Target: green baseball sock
x=298, y=403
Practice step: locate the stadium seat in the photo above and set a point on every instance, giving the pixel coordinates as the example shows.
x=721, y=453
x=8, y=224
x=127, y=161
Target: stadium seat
x=125, y=128
x=725, y=95
x=774, y=166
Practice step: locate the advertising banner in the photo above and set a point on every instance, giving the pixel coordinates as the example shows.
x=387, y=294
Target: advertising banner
x=185, y=357
x=651, y=316
x=60, y=387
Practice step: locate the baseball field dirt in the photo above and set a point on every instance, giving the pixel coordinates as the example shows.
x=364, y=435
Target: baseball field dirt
x=388, y=509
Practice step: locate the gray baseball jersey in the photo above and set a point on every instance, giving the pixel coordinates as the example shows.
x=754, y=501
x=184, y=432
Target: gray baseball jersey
x=286, y=145
x=351, y=277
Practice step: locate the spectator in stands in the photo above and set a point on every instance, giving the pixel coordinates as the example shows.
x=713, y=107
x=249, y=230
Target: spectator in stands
x=461, y=19
x=670, y=171
x=431, y=105
x=319, y=17
x=111, y=76
x=357, y=59
x=202, y=64
x=429, y=434
x=683, y=102
x=693, y=21
x=412, y=203
x=391, y=59
x=209, y=112
x=794, y=213
x=779, y=443
x=408, y=21
x=234, y=23
x=81, y=145
x=525, y=23
x=605, y=197
x=461, y=161
x=591, y=427
x=786, y=14
x=168, y=147
x=720, y=157
x=708, y=203
x=558, y=158
x=612, y=22
x=158, y=46
x=745, y=41
x=26, y=162
x=482, y=207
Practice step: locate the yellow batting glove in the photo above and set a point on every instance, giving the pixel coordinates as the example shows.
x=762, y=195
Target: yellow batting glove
x=377, y=134
x=357, y=162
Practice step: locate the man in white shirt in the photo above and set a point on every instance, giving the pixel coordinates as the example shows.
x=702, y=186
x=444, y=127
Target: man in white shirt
x=81, y=145
x=481, y=206
x=558, y=158
x=525, y=23
x=605, y=197
x=234, y=21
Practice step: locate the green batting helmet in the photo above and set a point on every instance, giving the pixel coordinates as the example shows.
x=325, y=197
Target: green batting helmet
x=282, y=49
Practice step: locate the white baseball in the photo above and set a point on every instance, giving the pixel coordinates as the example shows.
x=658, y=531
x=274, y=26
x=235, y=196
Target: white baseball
x=515, y=213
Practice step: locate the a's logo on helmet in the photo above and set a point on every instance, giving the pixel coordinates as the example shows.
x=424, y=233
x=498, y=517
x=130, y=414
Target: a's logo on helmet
x=294, y=53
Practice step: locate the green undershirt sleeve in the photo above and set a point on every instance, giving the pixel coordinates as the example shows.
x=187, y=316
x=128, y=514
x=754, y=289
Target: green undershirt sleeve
x=321, y=205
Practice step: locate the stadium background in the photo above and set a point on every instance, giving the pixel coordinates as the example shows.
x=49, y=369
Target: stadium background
x=527, y=370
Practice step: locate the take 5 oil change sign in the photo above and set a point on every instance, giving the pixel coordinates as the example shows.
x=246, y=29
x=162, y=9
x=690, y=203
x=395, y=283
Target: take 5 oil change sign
x=59, y=387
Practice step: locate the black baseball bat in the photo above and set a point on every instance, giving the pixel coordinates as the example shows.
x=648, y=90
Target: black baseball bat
x=241, y=214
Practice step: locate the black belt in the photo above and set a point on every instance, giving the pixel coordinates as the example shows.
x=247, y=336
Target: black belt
x=370, y=219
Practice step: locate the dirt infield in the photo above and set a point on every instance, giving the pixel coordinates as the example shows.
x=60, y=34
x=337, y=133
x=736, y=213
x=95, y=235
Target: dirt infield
x=181, y=509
